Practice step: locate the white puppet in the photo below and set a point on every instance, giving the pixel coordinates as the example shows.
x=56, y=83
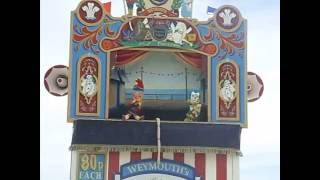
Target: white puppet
x=178, y=33
x=194, y=107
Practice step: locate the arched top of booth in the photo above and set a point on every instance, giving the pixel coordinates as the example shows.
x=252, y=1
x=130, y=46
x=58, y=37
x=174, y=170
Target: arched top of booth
x=215, y=49
x=92, y=24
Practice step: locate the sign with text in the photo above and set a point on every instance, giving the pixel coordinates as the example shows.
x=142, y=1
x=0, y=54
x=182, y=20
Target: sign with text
x=150, y=169
x=91, y=166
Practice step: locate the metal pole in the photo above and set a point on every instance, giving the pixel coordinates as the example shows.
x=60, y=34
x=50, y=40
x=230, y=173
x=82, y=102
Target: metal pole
x=141, y=73
x=186, y=76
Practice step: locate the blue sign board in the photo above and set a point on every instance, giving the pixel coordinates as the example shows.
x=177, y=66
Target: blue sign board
x=91, y=166
x=147, y=167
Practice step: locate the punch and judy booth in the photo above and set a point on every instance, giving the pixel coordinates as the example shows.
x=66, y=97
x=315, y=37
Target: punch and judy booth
x=155, y=94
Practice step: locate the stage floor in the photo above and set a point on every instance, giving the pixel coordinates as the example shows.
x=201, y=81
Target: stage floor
x=166, y=110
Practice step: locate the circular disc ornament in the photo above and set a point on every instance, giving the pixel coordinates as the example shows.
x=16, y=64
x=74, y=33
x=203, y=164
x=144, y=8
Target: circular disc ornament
x=228, y=18
x=56, y=80
x=255, y=87
x=90, y=12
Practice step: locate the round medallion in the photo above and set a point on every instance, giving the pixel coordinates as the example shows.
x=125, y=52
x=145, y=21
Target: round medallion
x=255, y=87
x=56, y=80
x=90, y=12
x=88, y=85
x=228, y=18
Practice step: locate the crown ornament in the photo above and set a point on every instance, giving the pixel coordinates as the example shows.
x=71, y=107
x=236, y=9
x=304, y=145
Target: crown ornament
x=227, y=17
x=90, y=10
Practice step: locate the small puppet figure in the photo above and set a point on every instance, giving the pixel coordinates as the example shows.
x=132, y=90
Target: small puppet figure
x=135, y=109
x=194, y=107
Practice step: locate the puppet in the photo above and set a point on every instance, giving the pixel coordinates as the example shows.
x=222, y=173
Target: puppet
x=135, y=106
x=194, y=107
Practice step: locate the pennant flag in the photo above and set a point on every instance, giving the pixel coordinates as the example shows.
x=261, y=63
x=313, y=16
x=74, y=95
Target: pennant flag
x=107, y=7
x=211, y=10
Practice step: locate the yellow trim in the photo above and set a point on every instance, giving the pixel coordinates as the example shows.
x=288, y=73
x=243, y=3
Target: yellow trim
x=90, y=24
x=108, y=86
x=98, y=93
x=209, y=75
x=245, y=124
x=70, y=69
x=218, y=90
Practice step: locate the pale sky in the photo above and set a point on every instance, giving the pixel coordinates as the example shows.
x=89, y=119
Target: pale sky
x=260, y=143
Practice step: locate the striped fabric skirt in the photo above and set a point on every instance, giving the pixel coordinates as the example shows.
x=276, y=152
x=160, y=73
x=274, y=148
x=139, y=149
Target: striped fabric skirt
x=107, y=164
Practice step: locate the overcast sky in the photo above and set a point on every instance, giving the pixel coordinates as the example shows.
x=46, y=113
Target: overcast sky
x=260, y=143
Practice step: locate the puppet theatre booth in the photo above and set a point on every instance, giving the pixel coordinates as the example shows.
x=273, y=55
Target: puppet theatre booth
x=168, y=79
x=155, y=94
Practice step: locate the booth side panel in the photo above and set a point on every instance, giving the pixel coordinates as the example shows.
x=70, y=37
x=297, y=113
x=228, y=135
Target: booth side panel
x=81, y=108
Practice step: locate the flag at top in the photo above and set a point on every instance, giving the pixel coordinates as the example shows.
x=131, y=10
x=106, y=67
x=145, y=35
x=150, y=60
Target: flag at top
x=107, y=6
x=211, y=10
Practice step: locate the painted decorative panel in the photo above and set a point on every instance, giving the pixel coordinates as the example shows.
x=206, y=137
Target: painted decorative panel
x=88, y=86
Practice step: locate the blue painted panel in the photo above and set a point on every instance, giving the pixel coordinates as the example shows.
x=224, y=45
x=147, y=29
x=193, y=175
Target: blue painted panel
x=91, y=167
x=77, y=51
x=239, y=57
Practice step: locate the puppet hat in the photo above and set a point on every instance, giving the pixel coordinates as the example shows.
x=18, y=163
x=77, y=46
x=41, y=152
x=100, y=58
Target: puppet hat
x=138, y=85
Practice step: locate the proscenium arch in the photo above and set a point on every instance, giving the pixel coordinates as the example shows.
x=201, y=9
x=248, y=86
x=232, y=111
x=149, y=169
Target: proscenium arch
x=127, y=20
x=209, y=79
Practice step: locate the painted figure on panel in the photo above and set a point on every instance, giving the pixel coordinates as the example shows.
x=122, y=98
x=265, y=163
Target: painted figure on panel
x=135, y=109
x=88, y=85
x=227, y=90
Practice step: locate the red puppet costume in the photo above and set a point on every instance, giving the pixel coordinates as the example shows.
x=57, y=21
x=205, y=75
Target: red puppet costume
x=135, y=109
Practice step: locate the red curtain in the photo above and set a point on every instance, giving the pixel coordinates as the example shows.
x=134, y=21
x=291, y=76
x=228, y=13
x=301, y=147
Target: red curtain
x=123, y=57
x=194, y=59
